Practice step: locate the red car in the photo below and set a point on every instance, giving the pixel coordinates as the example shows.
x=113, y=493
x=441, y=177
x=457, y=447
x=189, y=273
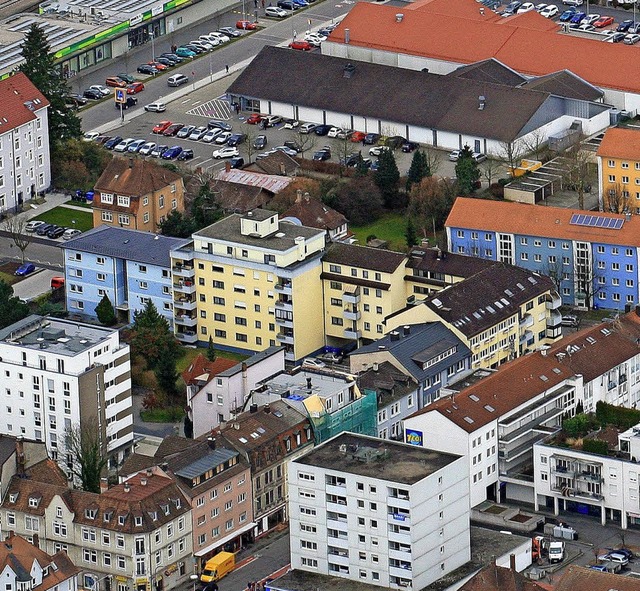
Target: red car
x=135, y=88
x=301, y=45
x=173, y=129
x=357, y=136
x=254, y=119
x=246, y=25
x=603, y=21
x=116, y=82
x=160, y=127
x=158, y=66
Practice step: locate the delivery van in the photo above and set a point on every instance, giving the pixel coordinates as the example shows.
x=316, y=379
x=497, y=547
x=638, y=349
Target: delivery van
x=57, y=282
x=218, y=566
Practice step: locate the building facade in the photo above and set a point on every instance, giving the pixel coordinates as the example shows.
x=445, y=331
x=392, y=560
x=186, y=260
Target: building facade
x=379, y=512
x=25, y=169
x=129, y=267
x=254, y=283
x=63, y=375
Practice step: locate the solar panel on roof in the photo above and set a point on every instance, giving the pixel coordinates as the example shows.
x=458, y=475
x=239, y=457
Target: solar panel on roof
x=596, y=221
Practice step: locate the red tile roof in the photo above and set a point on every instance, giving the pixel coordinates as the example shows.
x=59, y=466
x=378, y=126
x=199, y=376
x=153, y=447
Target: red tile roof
x=315, y=214
x=590, y=353
x=578, y=578
x=528, y=43
x=20, y=99
x=534, y=220
x=203, y=371
x=619, y=142
x=134, y=177
x=498, y=578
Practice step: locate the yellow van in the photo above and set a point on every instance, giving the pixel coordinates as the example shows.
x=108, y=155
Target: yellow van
x=218, y=566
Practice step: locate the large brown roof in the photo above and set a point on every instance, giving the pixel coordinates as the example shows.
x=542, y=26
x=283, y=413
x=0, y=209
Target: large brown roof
x=364, y=257
x=532, y=220
x=312, y=212
x=591, y=353
x=201, y=371
x=134, y=177
x=498, y=578
x=47, y=471
x=20, y=99
x=620, y=142
x=578, y=578
x=447, y=263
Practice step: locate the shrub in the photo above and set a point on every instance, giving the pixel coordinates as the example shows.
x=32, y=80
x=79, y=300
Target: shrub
x=595, y=446
x=497, y=190
x=580, y=425
x=623, y=418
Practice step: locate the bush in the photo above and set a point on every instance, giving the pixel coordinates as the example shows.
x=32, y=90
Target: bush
x=171, y=414
x=497, y=190
x=623, y=418
x=595, y=446
x=580, y=425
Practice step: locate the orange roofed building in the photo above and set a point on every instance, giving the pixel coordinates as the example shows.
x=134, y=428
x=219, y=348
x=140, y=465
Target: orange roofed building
x=136, y=194
x=439, y=36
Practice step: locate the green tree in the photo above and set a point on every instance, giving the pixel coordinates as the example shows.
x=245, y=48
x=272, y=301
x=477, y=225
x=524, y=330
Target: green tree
x=177, y=225
x=387, y=177
x=410, y=233
x=166, y=373
x=211, y=352
x=151, y=336
x=11, y=308
x=105, y=312
x=39, y=67
x=358, y=199
x=418, y=170
x=430, y=202
x=467, y=171
x=82, y=443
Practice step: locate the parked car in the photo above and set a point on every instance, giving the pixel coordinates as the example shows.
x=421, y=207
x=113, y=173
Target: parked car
x=590, y=19
x=371, y=138
x=160, y=127
x=603, y=21
x=290, y=123
x=173, y=129
x=293, y=145
x=158, y=151
x=124, y=144
x=377, y=150
x=128, y=78
x=56, y=232
x=567, y=15
x=134, y=147
x=211, y=135
x=322, y=129
x=276, y=11
x=147, y=69
x=147, y=148
x=43, y=229
x=286, y=149
x=549, y=11
x=157, y=107
x=91, y=93
x=254, y=118
x=246, y=25
x=569, y=320
x=186, y=131
x=173, y=56
x=584, y=28
x=624, y=26
x=223, y=37
x=229, y=32
x=260, y=142
x=165, y=61
x=357, y=136
x=115, y=82
x=184, y=52
x=478, y=157
x=215, y=124
x=308, y=127
x=615, y=557
x=226, y=152
x=131, y=101
x=171, y=153
x=103, y=90
x=113, y=142
x=526, y=7
x=177, y=80
x=237, y=162
x=33, y=225
x=236, y=139
x=288, y=5
x=615, y=37
x=75, y=101
x=409, y=146
x=197, y=133
x=186, y=155
x=573, y=2
x=577, y=18
x=223, y=138
x=25, y=269
x=624, y=551
x=70, y=233
x=271, y=120
x=314, y=39
x=322, y=155
x=135, y=88
x=301, y=45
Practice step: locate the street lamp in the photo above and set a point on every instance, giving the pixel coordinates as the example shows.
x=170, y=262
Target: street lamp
x=153, y=46
x=194, y=578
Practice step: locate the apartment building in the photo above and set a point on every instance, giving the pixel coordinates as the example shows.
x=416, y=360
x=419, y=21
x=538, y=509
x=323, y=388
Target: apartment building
x=500, y=313
x=497, y=417
x=315, y=214
x=26, y=567
x=60, y=375
x=254, y=283
x=130, y=267
x=268, y=437
x=430, y=353
x=568, y=479
x=25, y=167
x=592, y=258
x=137, y=194
x=136, y=535
x=362, y=286
x=379, y=512
x=619, y=170
x=218, y=390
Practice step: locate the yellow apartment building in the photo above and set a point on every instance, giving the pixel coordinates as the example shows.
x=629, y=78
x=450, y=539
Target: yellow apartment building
x=361, y=287
x=619, y=170
x=250, y=282
x=500, y=313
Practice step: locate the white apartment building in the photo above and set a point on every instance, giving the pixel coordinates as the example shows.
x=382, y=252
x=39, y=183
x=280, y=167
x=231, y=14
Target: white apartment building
x=379, y=512
x=57, y=375
x=569, y=479
x=496, y=420
x=24, y=142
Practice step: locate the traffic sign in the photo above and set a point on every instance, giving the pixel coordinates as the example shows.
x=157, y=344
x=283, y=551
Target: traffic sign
x=121, y=95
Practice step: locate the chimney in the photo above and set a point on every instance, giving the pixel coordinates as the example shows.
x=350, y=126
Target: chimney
x=375, y=366
x=127, y=487
x=395, y=336
x=267, y=408
x=227, y=166
x=348, y=70
x=481, y=102
x=512, y=562
x=399, y=17
x=406, y=330
x=130, y=162
x=627, y=216
x=253, y=408
x=308, y=383
x=36, y=540
x=307, y=197
x=212, y=442
x=20, y=459
x=104, y=485
x=236, y=426
x=143, y=481
x=149, y=472
x=299, y=196
x=347, y=36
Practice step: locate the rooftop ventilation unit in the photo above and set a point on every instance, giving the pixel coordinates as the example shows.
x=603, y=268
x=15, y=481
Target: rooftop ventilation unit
x=481, y=102
x=399, y=17
x=349, y=70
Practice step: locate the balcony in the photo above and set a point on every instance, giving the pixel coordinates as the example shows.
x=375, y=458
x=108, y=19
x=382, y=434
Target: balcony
x=184, y=304
x=284, y=287
x=188, y=337
x=285, y=338
x=553, y=300
x=183, y=271
x=563, y=471
x=289, y=356
x=399, y=518
x=351, y=314
x=185, y=320
x=352, y=334
x=284, y=322
x=187, y=286
x=351, y=297
x=526, y=321
x=554, y=319
x=400, y=538
x=587, y=476
x=400, y=554
x=285, y=305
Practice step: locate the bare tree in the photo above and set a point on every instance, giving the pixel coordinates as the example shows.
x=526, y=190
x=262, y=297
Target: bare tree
x=580, y=172
x=16, y=228
x=490, y=169
x=249, y=148
x=305, y=142
x=511, y=153
x=587, y=281
x=433, y=160
x=615, y=199
x=535, y=142
x=87, y=452
x=555, y=272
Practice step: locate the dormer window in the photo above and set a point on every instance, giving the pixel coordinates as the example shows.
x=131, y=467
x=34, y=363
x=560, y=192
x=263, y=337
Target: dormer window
x=122, y=519
x=138, y=521
x=107, y=516
x=13, y=497
x=45, y=571
x=165, y=508
x=154, y=515
x=178, y=503
x=90, y=513
x=34, y=501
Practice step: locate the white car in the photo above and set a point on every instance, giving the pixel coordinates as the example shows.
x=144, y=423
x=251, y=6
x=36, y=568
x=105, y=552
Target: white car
x=70, y=233
x=103, y=90
x=124, y=144
x=197, y=133
x=147, y=148
x=590, y=19
x=377, y=150
x=631, y=39
x=213, y=41
x=220, y=36
x=156, y=107
x=290, y=124
x=226, y=152
x=550, y=11
x=311, y=362
x=90, y=136
x=203, y=44
x=314, y=39
x=33, y=225
x=334, y=131
x=526, y=7
x=585, y=27
x=573, y=2
x=276, y=11
x=539, y=7
x=223, y=137
x=211, y=135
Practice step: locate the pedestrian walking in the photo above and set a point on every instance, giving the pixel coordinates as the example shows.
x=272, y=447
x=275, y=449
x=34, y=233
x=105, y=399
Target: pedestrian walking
x=227, y=68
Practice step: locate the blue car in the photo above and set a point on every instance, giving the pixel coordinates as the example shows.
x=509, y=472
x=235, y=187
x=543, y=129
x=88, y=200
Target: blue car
x=171, y=153
x=624, y=26
x=567, y=15
x=185, y=52
x=25, y=269
x=578, y=17
x=301, y=3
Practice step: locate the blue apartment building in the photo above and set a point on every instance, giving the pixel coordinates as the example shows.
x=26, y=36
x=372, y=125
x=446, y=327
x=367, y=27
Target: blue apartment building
x=129, y=266
x=593, y=257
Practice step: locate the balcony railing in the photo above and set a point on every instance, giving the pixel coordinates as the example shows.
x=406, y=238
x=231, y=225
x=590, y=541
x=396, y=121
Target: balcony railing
x=352, y=334
x=187, y=337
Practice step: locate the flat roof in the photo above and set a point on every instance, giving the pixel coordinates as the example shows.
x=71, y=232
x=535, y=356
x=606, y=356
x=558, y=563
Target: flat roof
x=303, y=384
x=377, y=458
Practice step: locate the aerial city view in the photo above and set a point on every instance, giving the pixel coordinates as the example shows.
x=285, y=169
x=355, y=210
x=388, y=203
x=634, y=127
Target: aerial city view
x=319, y=295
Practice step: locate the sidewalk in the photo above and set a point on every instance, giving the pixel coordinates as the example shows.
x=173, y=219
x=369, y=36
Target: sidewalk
x=52, y=200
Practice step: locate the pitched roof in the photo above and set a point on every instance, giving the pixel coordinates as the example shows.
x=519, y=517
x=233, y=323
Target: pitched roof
x=277, y=163
x=273, y=183
x=565, y=83
x=421, y=343
x=135, y=177
x=387, y=382
x=364, y=257
x=490, y=70
x=173, y=444
x=47, y=471
x=464, y=36
x=238, y=197
x=620, y=142
x=447, y=263
x=488, y=297
x=201, y=371
x=578, y=578
x=20, y=99
x=314, y=213
x=129, y=245
x=532, y=220
x=498, y=578
x=136, y=462
x=590, y=352
x=419, y=98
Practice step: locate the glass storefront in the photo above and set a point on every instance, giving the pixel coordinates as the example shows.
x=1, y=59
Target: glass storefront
x=86, y=59
x=143, y=34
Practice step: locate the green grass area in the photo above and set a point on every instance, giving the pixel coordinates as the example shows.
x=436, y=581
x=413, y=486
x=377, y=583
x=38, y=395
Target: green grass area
x=8, y=279
x=63, y=216
x=191, y=353
x=389, y=227
x=84, y=204
x=172, y=414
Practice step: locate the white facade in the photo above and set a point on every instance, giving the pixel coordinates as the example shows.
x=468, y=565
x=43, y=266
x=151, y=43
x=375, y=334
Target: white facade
x=354, y=520
x=60, y=374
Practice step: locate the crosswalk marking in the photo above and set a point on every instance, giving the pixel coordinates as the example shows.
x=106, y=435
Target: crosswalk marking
x=217, y=108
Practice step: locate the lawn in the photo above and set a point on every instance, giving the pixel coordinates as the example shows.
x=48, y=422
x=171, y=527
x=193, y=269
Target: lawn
x=389, y=227
x=190, y=353
x=7, y=273
x=63, y=216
